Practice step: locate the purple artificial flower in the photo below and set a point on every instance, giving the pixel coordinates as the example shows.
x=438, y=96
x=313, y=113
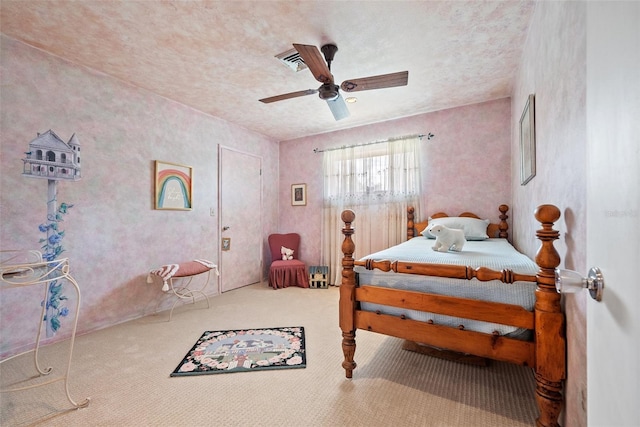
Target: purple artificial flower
x=54, y=239
x=52, y=248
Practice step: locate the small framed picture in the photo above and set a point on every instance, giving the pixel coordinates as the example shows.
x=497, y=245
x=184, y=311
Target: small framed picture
x=173, y=186
x=226, y=243
x=528, y=142
x=298, y=194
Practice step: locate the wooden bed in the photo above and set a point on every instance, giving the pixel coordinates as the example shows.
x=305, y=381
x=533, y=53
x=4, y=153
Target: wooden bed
x=545, y=352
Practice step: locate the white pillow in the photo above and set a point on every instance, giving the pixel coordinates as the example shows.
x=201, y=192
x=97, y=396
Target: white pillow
x=473, y=228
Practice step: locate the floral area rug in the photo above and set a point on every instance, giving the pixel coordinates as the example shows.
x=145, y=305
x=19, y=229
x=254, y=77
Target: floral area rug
x=245, y=350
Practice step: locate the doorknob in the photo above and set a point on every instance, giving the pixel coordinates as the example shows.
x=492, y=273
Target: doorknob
x=225, y=228
x=568, y=281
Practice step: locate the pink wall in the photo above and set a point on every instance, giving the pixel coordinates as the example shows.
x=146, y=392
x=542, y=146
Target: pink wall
x=553, y=68
x=113, y=234
x=466, y=165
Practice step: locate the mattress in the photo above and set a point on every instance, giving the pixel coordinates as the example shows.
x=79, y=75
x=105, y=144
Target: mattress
x=496, y=254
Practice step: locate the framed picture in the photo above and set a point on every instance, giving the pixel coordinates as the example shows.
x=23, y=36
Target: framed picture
x=173, y=186
x=226, y=243
x=528, y=142
x=298, y=194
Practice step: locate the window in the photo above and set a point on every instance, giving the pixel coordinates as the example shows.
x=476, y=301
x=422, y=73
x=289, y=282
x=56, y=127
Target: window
x=378, y=182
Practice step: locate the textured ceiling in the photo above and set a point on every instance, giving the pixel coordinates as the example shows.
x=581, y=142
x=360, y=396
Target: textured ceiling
x=219, y=56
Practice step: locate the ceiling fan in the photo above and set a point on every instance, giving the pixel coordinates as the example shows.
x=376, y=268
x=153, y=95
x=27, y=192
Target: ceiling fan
x=329, y=91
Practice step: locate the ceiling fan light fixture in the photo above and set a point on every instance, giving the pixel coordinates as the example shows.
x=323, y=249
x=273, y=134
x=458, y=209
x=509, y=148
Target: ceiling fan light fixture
x=325, y=97
x=328, y=92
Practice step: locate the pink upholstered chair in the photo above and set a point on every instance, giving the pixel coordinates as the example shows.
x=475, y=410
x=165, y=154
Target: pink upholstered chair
x=291, y=272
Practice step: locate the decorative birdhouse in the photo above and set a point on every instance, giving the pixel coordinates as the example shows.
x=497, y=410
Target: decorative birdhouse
x=51, y=158
x=318, y=276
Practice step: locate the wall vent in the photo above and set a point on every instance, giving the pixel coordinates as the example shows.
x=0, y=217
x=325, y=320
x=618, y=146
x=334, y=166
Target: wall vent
x=292, y=59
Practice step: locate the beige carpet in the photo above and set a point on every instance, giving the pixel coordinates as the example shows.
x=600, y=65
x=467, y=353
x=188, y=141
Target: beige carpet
x=125, y=370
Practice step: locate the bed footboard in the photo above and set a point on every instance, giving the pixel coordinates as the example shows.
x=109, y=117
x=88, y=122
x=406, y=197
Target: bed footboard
x=546, y=353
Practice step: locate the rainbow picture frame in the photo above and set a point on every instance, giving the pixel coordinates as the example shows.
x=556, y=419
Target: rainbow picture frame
x=173, y=186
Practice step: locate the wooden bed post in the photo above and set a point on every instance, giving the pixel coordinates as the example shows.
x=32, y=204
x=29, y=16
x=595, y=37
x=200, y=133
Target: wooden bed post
x=348, y=296
x=410, y=223
x=550, y=341
x=503, y=226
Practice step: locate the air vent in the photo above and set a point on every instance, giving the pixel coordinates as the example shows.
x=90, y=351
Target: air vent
x=292, y=59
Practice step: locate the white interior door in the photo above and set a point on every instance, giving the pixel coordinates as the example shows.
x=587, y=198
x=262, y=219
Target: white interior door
x=613, y=217
x=240, y=219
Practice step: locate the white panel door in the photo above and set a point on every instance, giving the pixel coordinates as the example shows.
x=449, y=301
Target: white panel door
x=240, y=219
x=613, y=217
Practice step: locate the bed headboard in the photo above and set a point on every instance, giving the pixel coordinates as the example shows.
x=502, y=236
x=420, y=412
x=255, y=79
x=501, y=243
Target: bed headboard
x=499, y=229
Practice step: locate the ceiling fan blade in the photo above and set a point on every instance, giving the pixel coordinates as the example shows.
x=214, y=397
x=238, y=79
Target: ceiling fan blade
x=315, y=61
x=338, y=108
x=376, y=82
x=289, y=96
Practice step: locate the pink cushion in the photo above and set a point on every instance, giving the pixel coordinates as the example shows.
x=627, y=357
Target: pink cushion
x=191, y=268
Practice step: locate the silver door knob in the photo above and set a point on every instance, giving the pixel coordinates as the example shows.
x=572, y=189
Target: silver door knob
x=568, y=281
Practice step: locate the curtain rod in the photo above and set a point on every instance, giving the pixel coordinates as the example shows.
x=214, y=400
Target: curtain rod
x=429, y=135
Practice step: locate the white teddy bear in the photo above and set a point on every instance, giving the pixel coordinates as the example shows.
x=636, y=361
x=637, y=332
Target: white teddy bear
x=447, y=238
x=287, y=253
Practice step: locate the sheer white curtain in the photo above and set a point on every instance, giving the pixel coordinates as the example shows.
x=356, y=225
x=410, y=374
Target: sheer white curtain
x=378, y=182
